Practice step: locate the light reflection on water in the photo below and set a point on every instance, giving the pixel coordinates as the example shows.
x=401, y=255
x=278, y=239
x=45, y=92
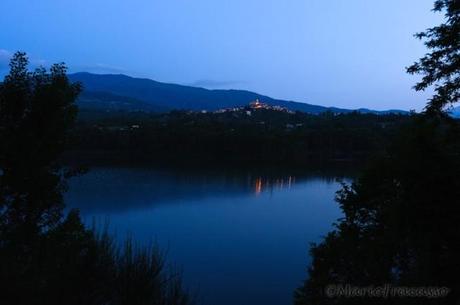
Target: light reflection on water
x=262, y=184
x=241, y=237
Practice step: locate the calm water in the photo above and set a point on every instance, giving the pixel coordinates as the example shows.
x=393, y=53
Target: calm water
x=241, y=238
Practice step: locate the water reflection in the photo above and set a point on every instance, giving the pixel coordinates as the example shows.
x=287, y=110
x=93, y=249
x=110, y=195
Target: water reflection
x=229, y=230
x=103, y=189
x=262, y=184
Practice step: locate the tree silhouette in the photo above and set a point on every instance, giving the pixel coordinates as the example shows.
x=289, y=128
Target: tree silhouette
x=36, y=113
x=401, y=216
x=400, y=223
x=47, y=257
x=441, y=66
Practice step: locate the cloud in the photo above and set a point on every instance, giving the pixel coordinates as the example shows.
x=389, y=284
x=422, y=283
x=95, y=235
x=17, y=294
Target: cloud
x=98, y=68
x=206, y=83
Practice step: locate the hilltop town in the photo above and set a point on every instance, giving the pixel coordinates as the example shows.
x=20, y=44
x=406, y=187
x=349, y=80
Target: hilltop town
x=255, y=105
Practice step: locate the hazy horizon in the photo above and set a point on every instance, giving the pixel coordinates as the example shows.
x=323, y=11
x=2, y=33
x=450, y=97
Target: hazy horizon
x=348, y=55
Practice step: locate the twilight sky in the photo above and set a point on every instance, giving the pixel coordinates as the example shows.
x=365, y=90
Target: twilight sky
x=329, y=52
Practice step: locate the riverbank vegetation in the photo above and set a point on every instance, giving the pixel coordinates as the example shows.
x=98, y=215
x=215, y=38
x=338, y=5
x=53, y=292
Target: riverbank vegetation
x=246, y=136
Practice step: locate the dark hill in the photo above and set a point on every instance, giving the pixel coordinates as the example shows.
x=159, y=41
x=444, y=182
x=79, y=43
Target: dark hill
x=148, y=95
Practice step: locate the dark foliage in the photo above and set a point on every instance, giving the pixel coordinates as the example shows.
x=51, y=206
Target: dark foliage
x=400, y=224
x=246, y=136
x=441, y=66
x=401, y=217
x=46, y=257
x=36, y=113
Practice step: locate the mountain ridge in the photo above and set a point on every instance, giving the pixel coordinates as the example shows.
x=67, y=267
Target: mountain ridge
x=150, y=95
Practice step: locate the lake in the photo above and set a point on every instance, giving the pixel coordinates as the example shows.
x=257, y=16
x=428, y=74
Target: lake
x=239, y=237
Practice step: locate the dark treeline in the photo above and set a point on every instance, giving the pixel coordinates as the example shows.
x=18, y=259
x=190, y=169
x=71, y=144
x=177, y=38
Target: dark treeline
x=48, y=256
x=247, y=136
x=401, y=220
x=400, y=225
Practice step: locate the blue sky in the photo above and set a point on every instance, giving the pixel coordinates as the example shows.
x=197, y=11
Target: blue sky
x=336, y=53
